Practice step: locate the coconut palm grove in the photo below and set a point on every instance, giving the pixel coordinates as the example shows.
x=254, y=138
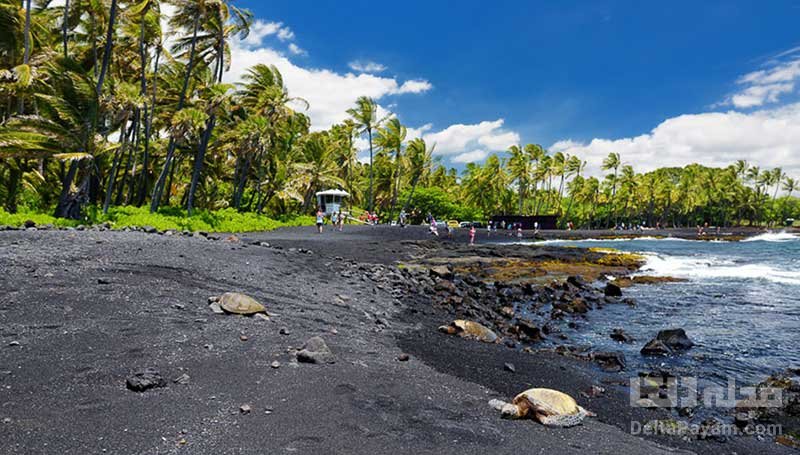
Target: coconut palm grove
x=103, y=115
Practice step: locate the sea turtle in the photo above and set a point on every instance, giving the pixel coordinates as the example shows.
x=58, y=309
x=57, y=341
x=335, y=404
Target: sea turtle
x=469, y=329
x=549, y=407
x=234, y=302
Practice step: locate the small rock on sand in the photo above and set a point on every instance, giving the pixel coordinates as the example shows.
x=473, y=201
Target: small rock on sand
x=403, y=357
x=182, y=379
x=146, y=379
x=214, y=306
x=315, y=350
x=510, y=367
x=275, y=364
x=245, y=409
x=284, y=331
x=612, y=290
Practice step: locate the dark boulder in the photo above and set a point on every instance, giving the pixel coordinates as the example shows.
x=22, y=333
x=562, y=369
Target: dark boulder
x=621, y=336
x=676, y=339
x=656, y=347
x=612, y=290
x=146, y=379
x=609, y=361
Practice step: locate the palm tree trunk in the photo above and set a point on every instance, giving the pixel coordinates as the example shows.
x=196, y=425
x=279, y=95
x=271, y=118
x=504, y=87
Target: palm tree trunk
x=198, y=162
x=114, y=165
x=148, y=121
x=26, y=57
x=371, y=200
x=159, y=187
x=108, y=45
x=62, y=208
x=65, y=28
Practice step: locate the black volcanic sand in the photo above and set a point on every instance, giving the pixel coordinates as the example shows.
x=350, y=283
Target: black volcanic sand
x=82, y=310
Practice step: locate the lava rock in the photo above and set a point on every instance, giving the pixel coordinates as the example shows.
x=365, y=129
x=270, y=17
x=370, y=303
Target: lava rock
x=621, y=336
x=144, y=380
x=610, y=361
x=612, y=290
x=675, y=339
x=403, y=357
x=315, y=350
x=655, y=347
x=442, y=271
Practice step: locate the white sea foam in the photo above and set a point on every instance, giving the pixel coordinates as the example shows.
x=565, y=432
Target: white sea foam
x=704, y=268
x=781, y=236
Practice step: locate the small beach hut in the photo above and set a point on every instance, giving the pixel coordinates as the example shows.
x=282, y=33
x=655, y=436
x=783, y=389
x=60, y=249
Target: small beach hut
x=331, y=201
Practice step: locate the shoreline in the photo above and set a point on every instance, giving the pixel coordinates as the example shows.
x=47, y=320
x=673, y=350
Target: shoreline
x=148, y=313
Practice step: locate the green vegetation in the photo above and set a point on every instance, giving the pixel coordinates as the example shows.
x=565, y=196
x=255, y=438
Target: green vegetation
x=225, y=220
x=98, y=115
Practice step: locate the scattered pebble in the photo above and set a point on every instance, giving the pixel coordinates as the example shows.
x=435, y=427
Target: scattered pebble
x=103, y=281
x=510, y=367
x=14, y=343
x=403, y=357
x=182, y=379
x=284, y=331
x=7, y=420
x=243, y=337
x=245, y=409
x=275, y=364
x=315, y=350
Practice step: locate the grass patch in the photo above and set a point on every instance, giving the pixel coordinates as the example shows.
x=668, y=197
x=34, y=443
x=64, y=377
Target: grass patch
x=225, y=220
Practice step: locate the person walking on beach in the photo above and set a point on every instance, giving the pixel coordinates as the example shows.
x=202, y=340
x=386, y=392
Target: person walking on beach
x=334, y=220
x=472, y=235
x=488, y=229
x=434, y=228
x=320, y=220
x=341, y=221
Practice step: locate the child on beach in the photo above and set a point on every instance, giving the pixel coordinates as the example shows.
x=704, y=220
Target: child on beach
x=320, y=220
x=472, y=235
x=341, y=221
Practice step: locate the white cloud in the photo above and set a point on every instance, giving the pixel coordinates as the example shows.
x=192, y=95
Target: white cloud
x=260, y=29
x=366, y=66
x=297, y=50
x=767, y=85
x=459, y=139
x=329, y=93
x=768, y=138
x=470, y=157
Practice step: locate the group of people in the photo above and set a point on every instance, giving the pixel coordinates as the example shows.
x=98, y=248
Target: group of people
x=337, y=220
x=511, y=228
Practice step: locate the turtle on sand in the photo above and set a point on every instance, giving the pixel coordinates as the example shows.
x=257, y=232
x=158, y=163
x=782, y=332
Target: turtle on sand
x=469, y=329
x=549, y=407
x=234, y=302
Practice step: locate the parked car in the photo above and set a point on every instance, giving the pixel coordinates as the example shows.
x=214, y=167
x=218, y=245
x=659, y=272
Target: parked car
x=465, y=224
x=477, y=224
x=789, y=222
x=453, y=223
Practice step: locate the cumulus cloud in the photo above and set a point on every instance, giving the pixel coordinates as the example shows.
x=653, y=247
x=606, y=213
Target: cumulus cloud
x=767, y=85
x=768, y=138
x=460, y=139
x=260, y=29
x=470, y=157
x=366, y=66
x=328, y=92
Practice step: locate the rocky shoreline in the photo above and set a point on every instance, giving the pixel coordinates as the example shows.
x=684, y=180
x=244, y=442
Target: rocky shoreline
x=85, y=310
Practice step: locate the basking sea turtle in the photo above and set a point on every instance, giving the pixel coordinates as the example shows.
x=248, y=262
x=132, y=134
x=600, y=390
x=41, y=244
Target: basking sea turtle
x=469, y=329
x=550, y=407
x=234, y=302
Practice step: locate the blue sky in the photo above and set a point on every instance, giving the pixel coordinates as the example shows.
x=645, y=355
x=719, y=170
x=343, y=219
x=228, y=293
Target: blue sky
x=661, y=82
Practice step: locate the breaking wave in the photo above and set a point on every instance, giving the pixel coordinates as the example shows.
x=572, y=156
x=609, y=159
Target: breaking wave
x=782, y=236
x=704, y=268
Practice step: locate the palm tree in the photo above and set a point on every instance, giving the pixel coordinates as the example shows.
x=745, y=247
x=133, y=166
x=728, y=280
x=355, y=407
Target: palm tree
x=612, y=162
x=419, y=161
x=391, y=138
x=519, y=168
x=790, y=185
x=365, y=117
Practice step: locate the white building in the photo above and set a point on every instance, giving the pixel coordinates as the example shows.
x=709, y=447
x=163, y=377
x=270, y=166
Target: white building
x=331, y=201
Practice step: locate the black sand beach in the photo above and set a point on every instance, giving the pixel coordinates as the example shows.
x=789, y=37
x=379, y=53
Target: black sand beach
x=83, y=310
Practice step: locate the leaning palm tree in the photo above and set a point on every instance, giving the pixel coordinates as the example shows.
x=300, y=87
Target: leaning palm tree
x=365, y=117
x=790, y=185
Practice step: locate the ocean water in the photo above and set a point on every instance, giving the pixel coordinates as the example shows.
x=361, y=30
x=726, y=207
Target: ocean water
x=740, y=305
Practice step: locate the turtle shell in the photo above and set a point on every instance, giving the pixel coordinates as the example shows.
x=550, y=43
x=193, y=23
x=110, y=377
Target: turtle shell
x=234, y=302
x=470, y=329
x=549, y=402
